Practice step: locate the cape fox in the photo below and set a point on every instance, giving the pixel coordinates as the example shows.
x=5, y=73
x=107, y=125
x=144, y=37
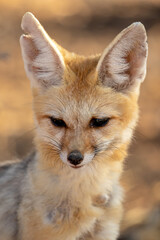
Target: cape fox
x=85, y=110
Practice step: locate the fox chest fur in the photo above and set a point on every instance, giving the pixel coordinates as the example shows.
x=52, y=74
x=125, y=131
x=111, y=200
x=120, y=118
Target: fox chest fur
x=85, y=110
x=72, y=207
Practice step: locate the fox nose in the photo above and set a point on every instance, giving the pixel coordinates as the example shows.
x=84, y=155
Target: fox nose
x=75, y=157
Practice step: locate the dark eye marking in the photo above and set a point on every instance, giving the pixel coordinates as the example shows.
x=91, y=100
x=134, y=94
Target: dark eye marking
x=98, y=122
x=58, y=122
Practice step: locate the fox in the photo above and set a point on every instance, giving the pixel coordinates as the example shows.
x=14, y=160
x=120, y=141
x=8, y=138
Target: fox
x=85, y=110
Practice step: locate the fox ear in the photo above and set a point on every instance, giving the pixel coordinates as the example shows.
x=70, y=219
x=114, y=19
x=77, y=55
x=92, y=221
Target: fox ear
x=122, y=65
x=43, y=61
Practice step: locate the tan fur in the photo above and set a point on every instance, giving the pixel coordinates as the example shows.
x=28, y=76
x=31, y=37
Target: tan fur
x=60, y=202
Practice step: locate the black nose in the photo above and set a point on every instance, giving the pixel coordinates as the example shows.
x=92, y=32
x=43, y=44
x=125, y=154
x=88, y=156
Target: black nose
x=75, y=157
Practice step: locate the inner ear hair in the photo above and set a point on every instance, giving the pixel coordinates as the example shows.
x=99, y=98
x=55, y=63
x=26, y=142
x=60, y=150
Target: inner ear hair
x=122, y=65
x=43, y=61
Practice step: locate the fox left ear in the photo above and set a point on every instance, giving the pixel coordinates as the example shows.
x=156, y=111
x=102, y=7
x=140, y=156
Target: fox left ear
x=43, y=61
x=122, y=65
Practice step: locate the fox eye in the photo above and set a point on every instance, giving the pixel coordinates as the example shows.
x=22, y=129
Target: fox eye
x=98, y=122
x=58, y=122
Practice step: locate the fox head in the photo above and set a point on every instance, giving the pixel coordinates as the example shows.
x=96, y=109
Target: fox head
x=85, y=107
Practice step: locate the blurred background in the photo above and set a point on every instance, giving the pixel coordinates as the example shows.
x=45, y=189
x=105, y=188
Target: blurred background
x=86, y=27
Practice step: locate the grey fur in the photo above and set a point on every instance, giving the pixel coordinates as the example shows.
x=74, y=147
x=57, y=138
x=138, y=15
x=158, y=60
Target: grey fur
x=11, y=178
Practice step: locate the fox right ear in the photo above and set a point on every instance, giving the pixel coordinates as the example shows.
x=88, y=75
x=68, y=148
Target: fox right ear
x=43, y=61
x=122, y=65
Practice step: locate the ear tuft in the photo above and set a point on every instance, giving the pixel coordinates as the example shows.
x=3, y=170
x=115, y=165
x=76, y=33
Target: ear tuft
x=43, y=61
x=29, y=22
x=122, y=65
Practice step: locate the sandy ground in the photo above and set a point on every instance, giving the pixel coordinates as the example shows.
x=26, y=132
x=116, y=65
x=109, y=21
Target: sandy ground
x=86, y=28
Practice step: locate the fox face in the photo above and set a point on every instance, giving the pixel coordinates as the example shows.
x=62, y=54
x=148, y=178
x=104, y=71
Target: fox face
x=85, y=108
x=80, y=125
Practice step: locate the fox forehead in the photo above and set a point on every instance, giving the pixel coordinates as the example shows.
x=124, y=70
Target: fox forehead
x=71, y=103
x=81, y=66
x=81, y=96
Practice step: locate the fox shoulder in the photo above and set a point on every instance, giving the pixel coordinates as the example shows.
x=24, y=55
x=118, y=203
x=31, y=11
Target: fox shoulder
x=11, y=178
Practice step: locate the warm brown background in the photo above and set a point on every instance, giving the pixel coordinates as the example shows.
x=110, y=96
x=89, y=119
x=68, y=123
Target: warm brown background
x=86, y=27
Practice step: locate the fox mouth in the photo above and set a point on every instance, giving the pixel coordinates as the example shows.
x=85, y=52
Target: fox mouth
x=76, y=166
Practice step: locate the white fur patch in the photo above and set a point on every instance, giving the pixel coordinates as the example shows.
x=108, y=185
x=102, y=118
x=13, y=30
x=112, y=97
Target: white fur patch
x=63, y=156
x=126, y=135
x=117, y=195
x=87, y=158
x=111, y=230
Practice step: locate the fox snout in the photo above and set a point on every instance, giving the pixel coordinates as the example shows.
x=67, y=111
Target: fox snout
x=76, y=157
